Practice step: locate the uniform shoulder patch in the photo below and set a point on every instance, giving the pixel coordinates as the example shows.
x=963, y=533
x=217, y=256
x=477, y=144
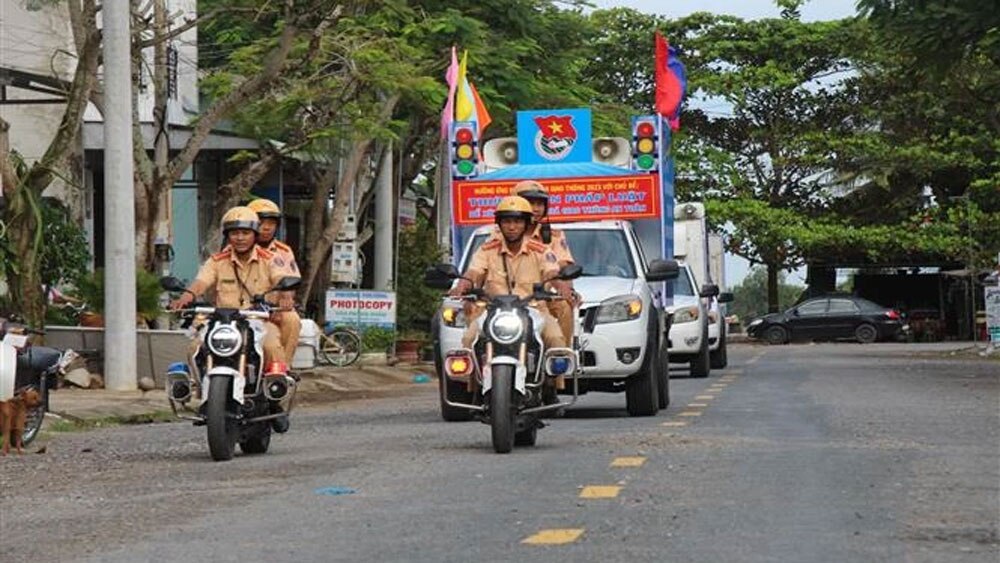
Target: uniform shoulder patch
x=264, y=253
x=491, y=244
x=550, y=257
x=224, y=255
x=536, y=246
x=282, y=246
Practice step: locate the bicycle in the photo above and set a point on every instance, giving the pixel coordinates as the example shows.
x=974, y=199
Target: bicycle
x=340, y=347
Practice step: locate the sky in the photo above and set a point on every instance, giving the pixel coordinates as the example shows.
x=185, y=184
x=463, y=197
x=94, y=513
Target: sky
x=814, y=10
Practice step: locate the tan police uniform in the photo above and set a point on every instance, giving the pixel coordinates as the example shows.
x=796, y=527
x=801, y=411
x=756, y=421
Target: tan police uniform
x=235, y=284
x=501, y=272
x=289, y=322
x=561, y=309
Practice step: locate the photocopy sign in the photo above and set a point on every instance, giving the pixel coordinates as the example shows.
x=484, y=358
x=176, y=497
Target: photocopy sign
x=992, y=295
x=361, y=308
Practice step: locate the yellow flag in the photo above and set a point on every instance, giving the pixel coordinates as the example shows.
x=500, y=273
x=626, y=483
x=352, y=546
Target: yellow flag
x=464, y=104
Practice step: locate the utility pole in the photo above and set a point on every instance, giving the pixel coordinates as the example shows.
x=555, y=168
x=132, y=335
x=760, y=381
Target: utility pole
x=384, y=222
x=119, y=201
x=161, y=143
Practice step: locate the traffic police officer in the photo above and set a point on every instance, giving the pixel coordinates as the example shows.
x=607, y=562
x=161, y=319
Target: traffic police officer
x=513, y=264
x=555, y=241
x=284, y=257
x=238, y=273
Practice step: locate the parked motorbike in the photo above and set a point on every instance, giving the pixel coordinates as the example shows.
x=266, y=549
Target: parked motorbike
x=509, y=363
x=238, y=397
x=23, y=366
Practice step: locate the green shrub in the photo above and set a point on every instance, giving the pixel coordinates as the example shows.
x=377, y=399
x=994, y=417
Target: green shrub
x=377, y=339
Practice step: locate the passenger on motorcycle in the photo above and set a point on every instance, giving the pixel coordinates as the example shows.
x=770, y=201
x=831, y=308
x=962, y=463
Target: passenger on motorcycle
x=513, y=264
x=555, y=241
x=284, y=257
x=238, y=273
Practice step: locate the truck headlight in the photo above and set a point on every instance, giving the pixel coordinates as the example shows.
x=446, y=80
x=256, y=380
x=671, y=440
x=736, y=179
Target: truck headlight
x=224, y=340
x=619, y=309
x=453, y=316
x=685, y=315
x=506, y=328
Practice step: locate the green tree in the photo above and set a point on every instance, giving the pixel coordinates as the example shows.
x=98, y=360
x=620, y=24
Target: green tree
x=750, y=295
x=418, y=250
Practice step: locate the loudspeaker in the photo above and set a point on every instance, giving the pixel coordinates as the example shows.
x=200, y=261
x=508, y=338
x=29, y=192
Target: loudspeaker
x=500, y=152
x=613, y=151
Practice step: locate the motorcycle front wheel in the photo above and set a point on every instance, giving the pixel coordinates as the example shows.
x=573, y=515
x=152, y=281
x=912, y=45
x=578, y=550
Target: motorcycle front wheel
x=221, y=428
x=502, y=409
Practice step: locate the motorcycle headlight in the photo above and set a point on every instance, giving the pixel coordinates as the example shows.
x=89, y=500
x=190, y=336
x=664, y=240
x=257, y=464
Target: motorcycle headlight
x=685, y=315
x=224, y=340
x=506, y=327
x=619, y=309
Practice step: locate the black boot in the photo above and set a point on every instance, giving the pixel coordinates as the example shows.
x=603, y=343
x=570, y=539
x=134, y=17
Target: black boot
x=279, y=425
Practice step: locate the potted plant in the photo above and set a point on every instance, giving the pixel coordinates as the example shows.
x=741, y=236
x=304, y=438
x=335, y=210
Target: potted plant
x=90, y=290
x=408, y=345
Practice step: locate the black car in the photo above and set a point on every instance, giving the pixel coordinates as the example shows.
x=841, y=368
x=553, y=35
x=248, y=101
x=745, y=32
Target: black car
x=830, y=318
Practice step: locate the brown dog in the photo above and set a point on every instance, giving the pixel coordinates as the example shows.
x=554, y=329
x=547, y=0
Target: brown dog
x=14, y=416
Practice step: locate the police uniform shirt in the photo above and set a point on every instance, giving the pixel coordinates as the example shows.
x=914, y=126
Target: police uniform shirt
x=516, y=273
x=284, y=256
x=235, y=283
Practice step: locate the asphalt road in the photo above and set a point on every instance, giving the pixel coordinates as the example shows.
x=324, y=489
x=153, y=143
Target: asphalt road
x=795, y=453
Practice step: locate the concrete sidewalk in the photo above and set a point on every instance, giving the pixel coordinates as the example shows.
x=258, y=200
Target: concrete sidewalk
x=322, y=384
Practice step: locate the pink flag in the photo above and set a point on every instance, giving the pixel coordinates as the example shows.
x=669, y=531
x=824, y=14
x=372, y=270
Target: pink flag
x=451, y=76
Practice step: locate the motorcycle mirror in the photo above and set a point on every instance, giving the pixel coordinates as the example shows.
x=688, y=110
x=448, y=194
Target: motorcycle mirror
x=440, y=276
x=170, y=283
x=287, y=283
x=570, y=272
x=447, y=270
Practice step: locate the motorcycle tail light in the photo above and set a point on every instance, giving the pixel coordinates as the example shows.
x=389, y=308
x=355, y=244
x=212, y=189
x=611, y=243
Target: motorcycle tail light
x=893, y=315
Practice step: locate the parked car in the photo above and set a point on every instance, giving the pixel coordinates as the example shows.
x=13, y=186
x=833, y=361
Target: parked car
x=830, y=318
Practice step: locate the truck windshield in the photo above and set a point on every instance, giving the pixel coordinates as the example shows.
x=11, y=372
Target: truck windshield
x=682, y=285
x=601, y=252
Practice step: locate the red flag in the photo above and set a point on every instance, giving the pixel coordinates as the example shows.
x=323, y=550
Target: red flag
x=669, y=88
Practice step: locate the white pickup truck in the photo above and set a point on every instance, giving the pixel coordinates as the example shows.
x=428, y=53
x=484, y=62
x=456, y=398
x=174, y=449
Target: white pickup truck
x=620, y=328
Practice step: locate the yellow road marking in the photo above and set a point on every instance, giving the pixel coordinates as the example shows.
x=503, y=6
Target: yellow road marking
x=733, y=372
x=675, y=423
x=697, y=405
x=600, y=491
x=690, y=413
x=704, y=397
x=628, y=461
x=558, y=536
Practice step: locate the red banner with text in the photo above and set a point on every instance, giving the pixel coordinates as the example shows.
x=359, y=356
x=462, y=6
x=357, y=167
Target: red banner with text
x=570, y=199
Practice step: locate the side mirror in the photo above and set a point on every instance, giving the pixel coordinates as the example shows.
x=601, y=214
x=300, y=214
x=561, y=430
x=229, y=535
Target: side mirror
x=570, y=272
x=288, y=283
x=662, y=270
x=709, y=290
x=170, y=283
x=794, y=312
x=440, y=276
x=725, y=297
x=447, y=270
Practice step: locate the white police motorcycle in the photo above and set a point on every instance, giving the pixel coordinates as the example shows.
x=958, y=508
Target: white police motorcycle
x=508, y=364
